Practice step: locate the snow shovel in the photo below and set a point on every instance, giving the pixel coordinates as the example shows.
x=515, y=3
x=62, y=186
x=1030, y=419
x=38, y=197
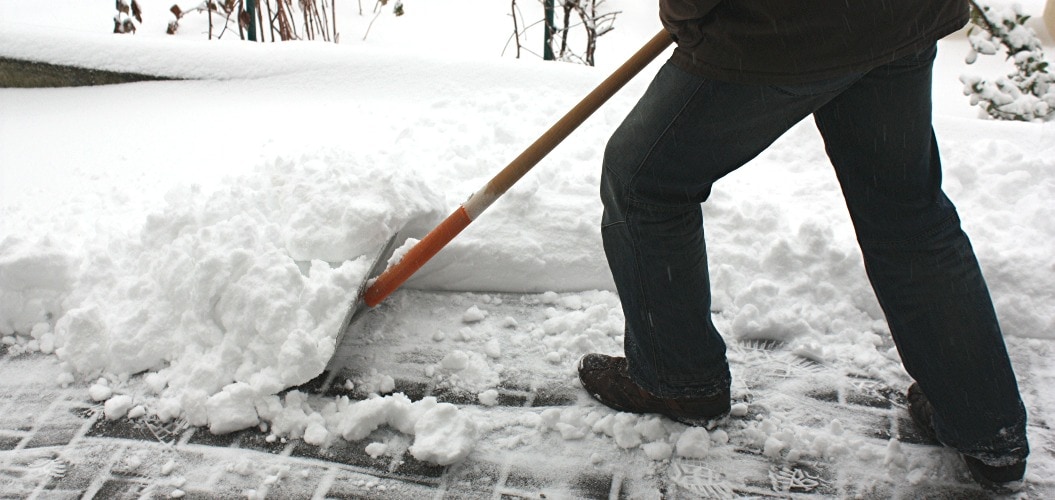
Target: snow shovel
x=373, y=291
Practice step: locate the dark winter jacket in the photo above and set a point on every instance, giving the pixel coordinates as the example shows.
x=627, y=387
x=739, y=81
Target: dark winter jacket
x=796, y=41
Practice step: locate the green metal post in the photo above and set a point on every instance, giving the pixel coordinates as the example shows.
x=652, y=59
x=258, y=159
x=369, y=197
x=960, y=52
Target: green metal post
x=251, y=11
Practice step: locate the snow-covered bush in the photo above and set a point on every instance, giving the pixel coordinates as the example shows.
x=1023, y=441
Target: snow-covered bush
x=1028, y=94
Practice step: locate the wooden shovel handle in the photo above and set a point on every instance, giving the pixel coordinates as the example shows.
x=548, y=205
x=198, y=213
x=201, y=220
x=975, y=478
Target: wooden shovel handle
x=432, y=243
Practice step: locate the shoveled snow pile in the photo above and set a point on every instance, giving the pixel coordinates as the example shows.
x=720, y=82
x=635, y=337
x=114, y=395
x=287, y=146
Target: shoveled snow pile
x=35, y=278
x=223, y=299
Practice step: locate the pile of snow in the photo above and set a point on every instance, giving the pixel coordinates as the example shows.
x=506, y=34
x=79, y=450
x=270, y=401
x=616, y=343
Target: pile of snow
x=35, y=279
x=225, y=298
x=442, y=434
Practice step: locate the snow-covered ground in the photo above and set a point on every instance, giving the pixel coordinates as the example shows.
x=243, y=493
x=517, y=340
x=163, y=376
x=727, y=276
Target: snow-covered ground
x=186, y=249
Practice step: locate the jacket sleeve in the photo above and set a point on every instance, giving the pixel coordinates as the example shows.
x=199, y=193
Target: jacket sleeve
x=682, y=19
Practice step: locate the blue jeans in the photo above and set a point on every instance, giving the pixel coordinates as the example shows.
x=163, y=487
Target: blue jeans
x=687, y=132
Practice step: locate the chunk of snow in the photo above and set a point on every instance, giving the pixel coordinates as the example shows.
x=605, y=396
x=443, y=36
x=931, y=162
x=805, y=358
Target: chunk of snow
x=117, y=406
x=137, y=411
x=658, y=450
x=570, y=432
x=376, y=449
x=773, y=447
x=693, y=443
x=488, y=397
x=493, y=349
x=64, y=379
x=455, y=361
x=625, y=432
x=232, y=409
x=99, y=391
x=443, y=435
x=316, y=433
x=474, y=315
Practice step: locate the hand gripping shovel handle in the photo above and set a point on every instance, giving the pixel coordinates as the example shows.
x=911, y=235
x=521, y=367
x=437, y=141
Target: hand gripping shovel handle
x=432, y=243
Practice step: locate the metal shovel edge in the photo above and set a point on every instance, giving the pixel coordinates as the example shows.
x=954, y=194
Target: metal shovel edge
x=358, y=305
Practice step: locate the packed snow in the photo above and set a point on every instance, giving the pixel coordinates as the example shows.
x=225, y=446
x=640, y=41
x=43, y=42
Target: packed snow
x=187, y=249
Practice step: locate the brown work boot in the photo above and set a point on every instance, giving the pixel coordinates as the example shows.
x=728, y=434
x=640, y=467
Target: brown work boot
x=606, y=379
x=1000, y=479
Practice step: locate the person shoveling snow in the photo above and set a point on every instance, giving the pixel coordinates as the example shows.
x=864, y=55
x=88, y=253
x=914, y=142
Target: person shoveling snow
x=742, y=75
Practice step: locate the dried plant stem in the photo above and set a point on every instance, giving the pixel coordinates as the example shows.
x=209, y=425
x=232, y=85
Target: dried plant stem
x=270, y=19
x=516, y=30
x=260, y=21
x=208, y=12
x=283, y=19
x=309, y=29
x=377, y=13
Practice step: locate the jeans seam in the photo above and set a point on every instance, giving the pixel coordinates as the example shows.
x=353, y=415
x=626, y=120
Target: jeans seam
x=786, y=93
x=652, y=148
x=631, y=202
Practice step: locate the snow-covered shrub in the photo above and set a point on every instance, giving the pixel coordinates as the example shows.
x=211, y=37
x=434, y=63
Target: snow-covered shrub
x=1028, y=94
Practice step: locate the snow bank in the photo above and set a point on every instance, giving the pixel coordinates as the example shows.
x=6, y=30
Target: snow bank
x=77, y=33
x=1004, y=187
x=189, y=59
x=35, y=277
x=80, y=33
x=225, y=298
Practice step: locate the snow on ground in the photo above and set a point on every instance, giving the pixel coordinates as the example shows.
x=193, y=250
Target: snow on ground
x=207, y=234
